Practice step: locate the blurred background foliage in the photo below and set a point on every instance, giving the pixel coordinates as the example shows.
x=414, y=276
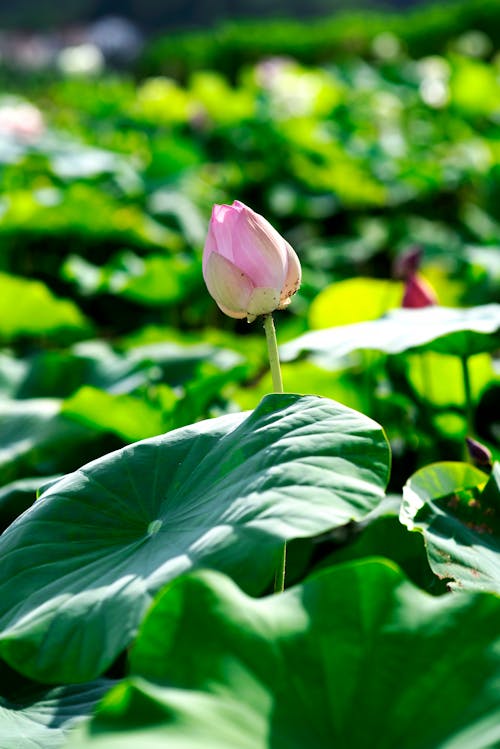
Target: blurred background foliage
x=359, y=136
x=177, y=13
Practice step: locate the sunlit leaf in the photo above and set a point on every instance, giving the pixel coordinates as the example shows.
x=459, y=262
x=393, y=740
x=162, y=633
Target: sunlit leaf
x=439, y=378
x=224, y=493
x=131, y=418
x=353, y=657
x=461, y=332
x=457, y=509
x=28, y=308
x=354, y=300
x=44, y=717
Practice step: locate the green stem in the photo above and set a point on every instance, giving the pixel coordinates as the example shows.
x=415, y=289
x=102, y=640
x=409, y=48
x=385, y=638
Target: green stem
x=279, y=575
x=469, y=406
x=274, y=363
x=272, y=350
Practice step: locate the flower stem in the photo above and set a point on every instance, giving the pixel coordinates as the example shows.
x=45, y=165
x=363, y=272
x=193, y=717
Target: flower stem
x=279, y=575
x=272, y=350
x=469, y=406
x=274, y=363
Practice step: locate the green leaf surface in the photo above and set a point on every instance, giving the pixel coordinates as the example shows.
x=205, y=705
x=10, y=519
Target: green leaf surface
x=384, y=536
x=354, y=300
x=462, y=332
x=439, y=378
x=457, y=509
x=28, y=308
x=42, y=718
x=128, y=417
x=355, y=657
x=223, y=493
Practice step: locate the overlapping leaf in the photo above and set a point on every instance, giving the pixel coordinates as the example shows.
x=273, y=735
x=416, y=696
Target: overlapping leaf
x=462, y=332
x=43, y=717
x=81, y=566
x=355, y=657
x=457, y=508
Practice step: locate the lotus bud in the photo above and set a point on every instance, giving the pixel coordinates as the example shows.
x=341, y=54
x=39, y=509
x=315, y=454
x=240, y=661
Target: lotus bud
x=248, y=267
x=479, y=454
x=408, y=263
x=418, y=292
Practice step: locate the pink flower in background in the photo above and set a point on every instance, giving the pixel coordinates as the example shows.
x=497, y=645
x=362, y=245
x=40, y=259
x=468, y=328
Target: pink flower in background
x=418, y=292
x=248, y=267
x=21, y=120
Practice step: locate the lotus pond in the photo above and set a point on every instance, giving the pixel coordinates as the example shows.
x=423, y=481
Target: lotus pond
x=150, y=476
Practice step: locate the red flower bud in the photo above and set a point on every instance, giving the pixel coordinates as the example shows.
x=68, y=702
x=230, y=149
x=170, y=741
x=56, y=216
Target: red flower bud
x=418, y=293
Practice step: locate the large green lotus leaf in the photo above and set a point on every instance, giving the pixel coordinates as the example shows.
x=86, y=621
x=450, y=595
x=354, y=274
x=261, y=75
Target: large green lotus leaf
x=461, y=332
x=355, y=657
x=41, y=718
x=457, y=508
x=80, y=567
x=28, y=308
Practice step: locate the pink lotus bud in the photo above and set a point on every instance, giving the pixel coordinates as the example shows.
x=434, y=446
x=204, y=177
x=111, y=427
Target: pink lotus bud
x=418, y=292
x=248, y=267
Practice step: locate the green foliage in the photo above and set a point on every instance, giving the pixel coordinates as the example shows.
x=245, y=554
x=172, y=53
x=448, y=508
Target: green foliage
x=27, y=308
x=44, y=717
x=461, y=332
x=458, y=509
x=425, y=30
x=354, y=300
x=109, y=337
x=205, y=495
x=301, y=668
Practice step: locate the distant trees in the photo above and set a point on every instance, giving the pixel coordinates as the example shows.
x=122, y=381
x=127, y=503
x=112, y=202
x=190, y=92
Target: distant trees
x=154, y=14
